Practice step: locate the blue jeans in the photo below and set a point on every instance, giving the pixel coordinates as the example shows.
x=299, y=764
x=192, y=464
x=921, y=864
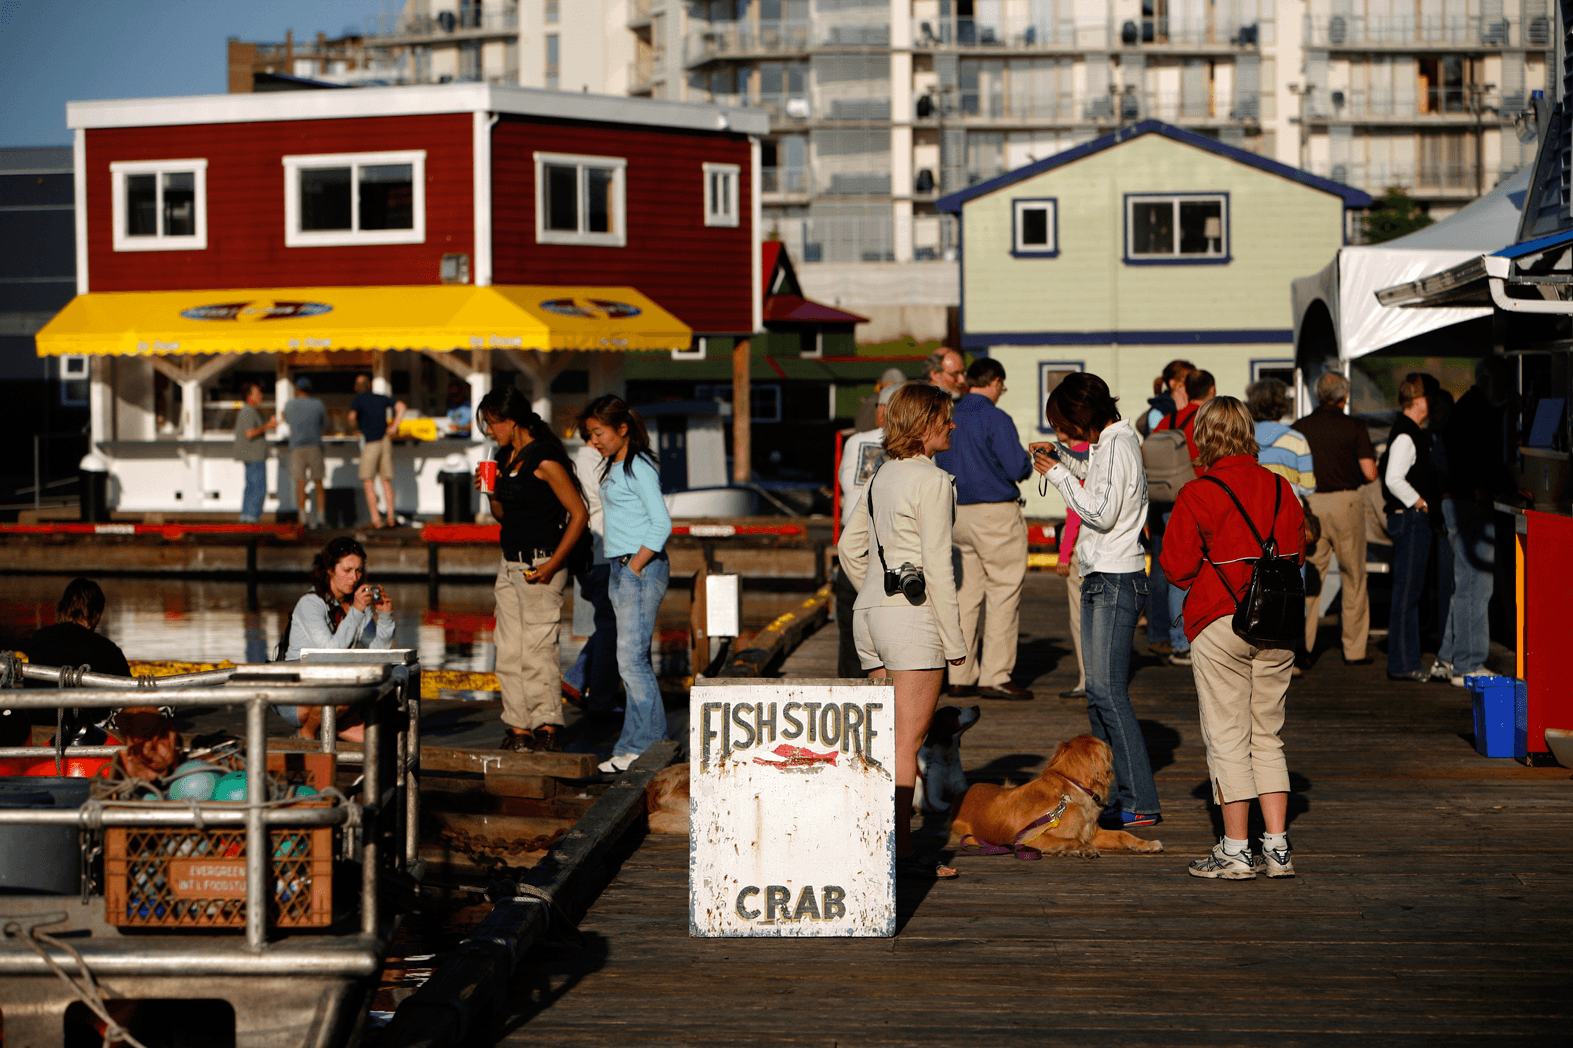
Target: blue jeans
x=1110, y=605
x=1165, y=603
x=594, y=673
x=1471, y=532
x=256, y=491
x=1410, y=531
x=635, y=601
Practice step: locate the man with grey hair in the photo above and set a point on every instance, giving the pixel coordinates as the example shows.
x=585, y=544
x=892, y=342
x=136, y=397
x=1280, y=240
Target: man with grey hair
x=1345, y=461
x=945, y=369
x=868, y=409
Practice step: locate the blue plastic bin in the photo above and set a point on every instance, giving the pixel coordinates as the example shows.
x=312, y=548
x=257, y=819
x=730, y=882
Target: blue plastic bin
x=1501, y=716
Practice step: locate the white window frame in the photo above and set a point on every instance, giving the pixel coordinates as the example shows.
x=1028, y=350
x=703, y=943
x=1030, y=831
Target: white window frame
x=1175, y=200
x=1018, y=248
x=728, y=214
x=294, y=236
x=698, y=351
x=159, y=242
x=619, y=235
x=818, y=352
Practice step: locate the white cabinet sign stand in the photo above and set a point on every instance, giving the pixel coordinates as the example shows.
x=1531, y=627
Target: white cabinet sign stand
x=792, y=824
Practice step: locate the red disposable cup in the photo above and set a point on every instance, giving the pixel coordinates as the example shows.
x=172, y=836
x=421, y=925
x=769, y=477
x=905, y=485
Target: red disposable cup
x=488, y=472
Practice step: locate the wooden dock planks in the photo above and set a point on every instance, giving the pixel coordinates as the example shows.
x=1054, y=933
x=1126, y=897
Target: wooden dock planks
x=1434, y=903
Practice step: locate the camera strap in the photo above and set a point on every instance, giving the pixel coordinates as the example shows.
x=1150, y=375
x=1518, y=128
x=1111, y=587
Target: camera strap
x=868, y=498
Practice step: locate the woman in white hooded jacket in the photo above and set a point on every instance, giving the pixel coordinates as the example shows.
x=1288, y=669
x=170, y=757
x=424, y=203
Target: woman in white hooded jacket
x=1112, y=503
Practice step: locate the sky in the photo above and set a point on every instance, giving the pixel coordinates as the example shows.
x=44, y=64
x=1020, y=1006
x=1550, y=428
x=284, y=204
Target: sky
x=54, y=51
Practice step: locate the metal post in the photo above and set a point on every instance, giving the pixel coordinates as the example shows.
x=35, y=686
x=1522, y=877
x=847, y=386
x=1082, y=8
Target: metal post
x=412, y=785
x=258, y=851
x=431, y=575
x=371, y=815
x=329, y=735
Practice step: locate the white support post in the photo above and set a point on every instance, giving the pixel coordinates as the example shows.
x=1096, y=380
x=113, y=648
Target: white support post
x=190, y=409
x=480, y=380
x=101, y=400
x=282, y=391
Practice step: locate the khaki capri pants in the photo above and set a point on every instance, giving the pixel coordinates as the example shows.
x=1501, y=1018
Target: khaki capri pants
x=529, y=667
x=1240, y=693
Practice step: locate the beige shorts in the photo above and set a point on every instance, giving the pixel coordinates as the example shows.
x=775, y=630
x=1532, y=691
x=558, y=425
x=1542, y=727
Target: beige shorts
x=307, y=463
x=376, y=459
x=898, y=638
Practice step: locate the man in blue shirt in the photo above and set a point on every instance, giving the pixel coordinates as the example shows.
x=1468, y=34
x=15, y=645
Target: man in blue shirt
x=988, y=462
x=369, y=413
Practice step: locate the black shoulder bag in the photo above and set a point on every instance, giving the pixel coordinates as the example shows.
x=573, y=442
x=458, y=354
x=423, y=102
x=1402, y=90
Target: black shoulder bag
x=1271, y=612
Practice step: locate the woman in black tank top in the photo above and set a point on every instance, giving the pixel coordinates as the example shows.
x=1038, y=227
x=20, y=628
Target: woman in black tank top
x=536, y=499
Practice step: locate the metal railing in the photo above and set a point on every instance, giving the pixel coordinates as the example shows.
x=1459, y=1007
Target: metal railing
x=1062, y=33
x=639, y=69
x=1451, y=104
x=783, y=180
x=638, y=14
x=1452, y=179
x=383, y=30
x=1472, y=32
x=742, y=39
x=388, y=700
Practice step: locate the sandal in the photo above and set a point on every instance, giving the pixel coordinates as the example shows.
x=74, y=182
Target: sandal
x=915, y=867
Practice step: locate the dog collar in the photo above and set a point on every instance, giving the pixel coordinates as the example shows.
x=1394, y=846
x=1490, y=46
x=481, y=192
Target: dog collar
x=1085, y=790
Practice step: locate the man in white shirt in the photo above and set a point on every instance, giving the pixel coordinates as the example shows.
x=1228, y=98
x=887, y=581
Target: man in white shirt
x=861, y=455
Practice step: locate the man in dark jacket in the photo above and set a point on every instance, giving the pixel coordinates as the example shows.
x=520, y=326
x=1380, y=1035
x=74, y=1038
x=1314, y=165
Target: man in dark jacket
x=1410, y=492
x=990, y=534
x=72, y=641
x=1476, y=442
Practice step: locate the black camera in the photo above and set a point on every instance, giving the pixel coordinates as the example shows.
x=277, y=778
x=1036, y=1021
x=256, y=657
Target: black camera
x=908, y=581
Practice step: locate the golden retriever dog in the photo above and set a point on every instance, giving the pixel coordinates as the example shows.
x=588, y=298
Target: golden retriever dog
x=667, y=798
x=1071, y=792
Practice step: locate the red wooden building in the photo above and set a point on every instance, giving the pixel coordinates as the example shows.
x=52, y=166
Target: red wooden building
x=351, y=223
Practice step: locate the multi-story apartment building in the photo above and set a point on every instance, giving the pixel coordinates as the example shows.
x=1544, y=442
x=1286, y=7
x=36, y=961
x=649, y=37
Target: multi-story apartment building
x=879, y=107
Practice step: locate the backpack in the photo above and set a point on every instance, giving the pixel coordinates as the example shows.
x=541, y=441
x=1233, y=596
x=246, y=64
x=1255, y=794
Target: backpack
x=1271, y=612
x=1166, y=457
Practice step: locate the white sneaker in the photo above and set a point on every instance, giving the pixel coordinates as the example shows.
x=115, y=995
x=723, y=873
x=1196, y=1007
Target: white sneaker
x=1441, y=670
x=1460, y=680
x=617, y=763
x=1219, y=864
x=1276, y=862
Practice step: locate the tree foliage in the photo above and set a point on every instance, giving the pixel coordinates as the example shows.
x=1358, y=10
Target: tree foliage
x=1392, y=216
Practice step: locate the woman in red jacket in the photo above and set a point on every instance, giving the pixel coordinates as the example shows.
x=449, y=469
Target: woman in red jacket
x=1208, y=551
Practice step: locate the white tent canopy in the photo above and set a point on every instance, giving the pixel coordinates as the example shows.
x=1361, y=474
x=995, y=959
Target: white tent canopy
x=1348, y=284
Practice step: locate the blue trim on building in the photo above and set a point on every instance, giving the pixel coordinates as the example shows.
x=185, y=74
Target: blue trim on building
x=1222, y=337
x=1053, y=250
x=1352, y=197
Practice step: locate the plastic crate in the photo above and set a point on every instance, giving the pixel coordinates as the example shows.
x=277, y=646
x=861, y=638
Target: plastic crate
x=190, y=878
x=1501, y=715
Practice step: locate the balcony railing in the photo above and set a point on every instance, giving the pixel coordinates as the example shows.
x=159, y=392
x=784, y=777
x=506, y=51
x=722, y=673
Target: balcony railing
x=786, y=110
x=467, y=22
x=1069, y=33
x=1437, y=104
x=638, y=14
x=788, y=180
x=1468, y=33
x=1459, y=180
x=639, y=71
x=1109, y=107
x=745, y=39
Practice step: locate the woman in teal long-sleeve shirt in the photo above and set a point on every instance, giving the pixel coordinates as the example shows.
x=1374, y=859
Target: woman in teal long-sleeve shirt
x=637, y=526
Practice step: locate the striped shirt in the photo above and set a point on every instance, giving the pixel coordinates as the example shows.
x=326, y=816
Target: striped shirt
x=1285, y=451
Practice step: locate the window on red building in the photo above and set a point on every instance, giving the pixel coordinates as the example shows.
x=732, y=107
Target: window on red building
x=355, y=198
x=160, y=205
x=579, y=200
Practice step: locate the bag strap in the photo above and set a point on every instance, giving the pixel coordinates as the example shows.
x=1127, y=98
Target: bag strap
x=868, y=498
x=1278, y=494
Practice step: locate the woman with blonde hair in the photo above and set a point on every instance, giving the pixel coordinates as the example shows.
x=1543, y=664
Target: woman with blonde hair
x=1217, y=533
x=896, y=551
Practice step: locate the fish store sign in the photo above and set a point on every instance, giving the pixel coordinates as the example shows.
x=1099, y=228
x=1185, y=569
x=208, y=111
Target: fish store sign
x=792, y=827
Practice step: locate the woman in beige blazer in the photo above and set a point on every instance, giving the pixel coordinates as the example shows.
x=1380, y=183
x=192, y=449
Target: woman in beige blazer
x=910, y=503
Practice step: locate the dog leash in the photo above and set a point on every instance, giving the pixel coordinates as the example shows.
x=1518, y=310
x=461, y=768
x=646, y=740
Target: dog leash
x=1019, y=847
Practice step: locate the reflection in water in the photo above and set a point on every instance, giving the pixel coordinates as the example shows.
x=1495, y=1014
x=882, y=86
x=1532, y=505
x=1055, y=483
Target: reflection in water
x=190, y=620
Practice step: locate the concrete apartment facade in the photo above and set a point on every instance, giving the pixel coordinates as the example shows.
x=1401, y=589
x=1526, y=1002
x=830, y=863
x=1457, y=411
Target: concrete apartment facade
x=880, y=107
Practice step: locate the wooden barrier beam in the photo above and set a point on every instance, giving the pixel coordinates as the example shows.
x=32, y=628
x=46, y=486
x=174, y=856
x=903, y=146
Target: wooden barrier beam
x=467, y=988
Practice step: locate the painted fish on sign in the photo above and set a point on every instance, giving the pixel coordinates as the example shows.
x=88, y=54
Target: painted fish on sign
x=793, y=808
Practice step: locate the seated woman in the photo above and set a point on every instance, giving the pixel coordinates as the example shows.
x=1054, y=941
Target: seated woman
x=73, y=640
x=335, y=614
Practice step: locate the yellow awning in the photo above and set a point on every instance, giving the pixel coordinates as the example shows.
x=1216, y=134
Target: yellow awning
x=313, y=319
